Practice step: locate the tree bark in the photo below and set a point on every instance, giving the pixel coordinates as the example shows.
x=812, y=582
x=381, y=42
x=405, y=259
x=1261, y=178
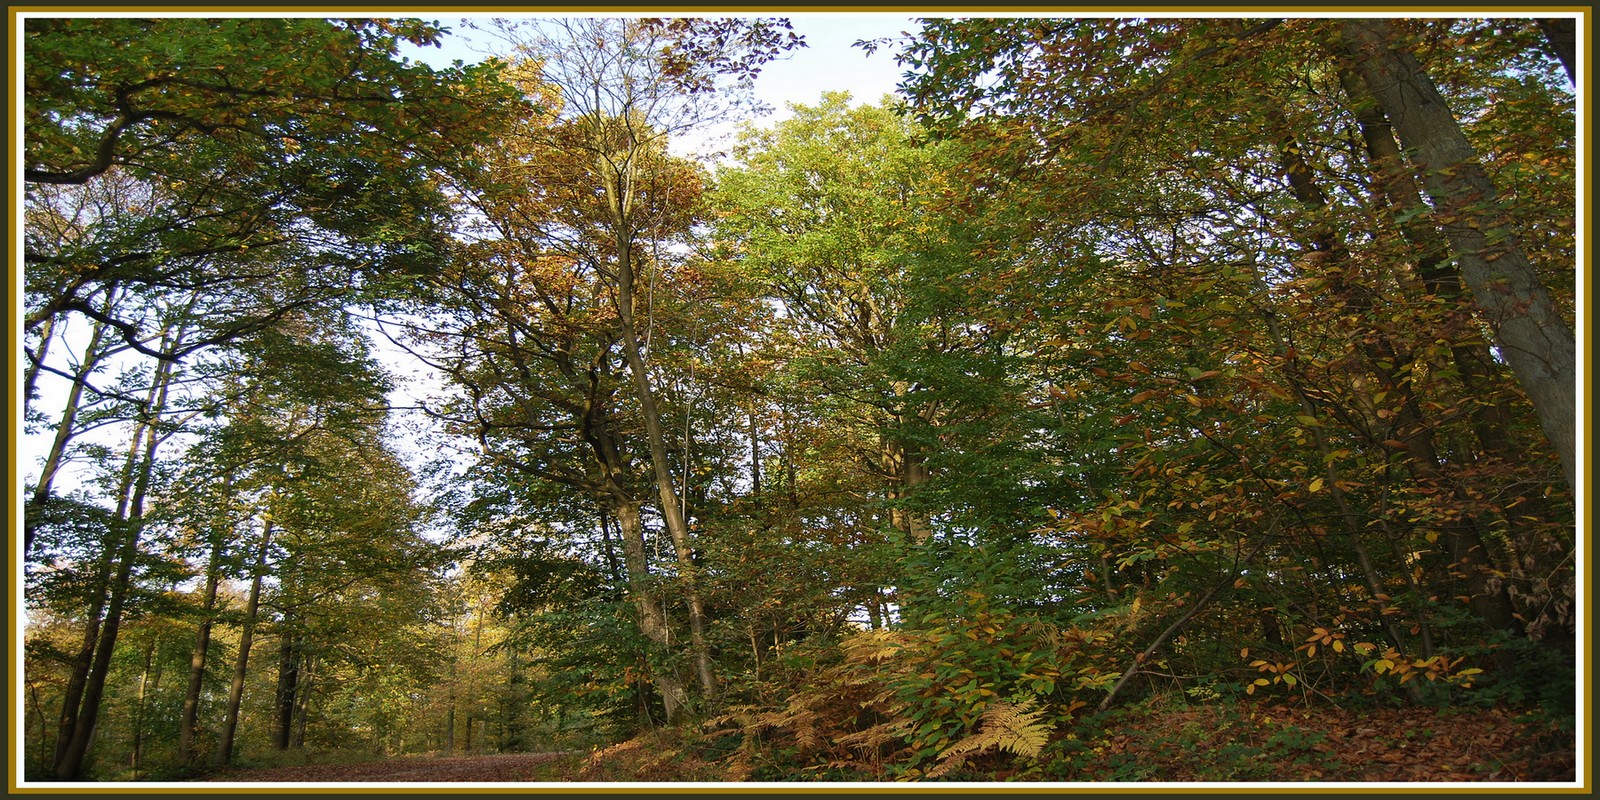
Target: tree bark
x=619, y=189
x=1533, y=337
x=302, y=710
x=130, y=522
x=652, y=619
x=64, y=429
x=230, y=724
x=1463, y=540
x=288, y=691
x=190, y=717
x=1561, y=39
x=1400, y=194
x=83, y=660
x=30, y=374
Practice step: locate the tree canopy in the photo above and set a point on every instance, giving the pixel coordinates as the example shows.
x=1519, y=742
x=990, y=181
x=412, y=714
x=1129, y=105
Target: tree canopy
x=1116, y=371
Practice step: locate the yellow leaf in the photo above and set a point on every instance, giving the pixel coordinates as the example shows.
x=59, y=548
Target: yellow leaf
x=1316, y=485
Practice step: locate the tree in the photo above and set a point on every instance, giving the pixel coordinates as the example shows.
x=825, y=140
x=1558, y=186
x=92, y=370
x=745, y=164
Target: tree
x=1242, y=193
x=619, y=204
x=523, y=326
x=1534, y=337
x=211, y=195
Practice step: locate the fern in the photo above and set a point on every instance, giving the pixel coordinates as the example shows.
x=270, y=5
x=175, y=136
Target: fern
x=1014, y=727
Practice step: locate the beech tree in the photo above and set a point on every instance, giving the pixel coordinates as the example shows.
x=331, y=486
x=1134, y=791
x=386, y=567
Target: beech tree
x=1534, y=337
x=1119, y=371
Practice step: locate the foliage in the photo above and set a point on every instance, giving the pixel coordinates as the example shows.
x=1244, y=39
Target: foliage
x=1125, y=402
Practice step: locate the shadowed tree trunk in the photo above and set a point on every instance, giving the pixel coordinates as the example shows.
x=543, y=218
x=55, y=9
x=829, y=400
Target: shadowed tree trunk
x=197, y=660
x=79, y=726
x=1530, y=332
x=1561, y=39
x=230, y=724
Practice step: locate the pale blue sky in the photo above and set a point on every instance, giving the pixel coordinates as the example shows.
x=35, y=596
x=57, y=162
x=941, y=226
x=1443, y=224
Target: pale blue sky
x=829, y=62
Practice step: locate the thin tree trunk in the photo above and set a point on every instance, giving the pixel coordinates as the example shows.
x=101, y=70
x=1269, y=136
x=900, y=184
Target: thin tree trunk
x=671, y=510
x=1533, y=336
x=72, y=696
x=136, y=760
x=652, y=621
x=613, y=566
x=303, y=706
x=288, y=690
x=130, y=519
x=64, y=432
x=30, y=376
x=755, y=455
x=1177, y=625
x=1347, y=516
x=189, y=720
x=230, y=723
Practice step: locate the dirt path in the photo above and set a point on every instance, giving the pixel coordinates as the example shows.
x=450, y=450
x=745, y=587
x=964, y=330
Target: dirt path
x=500, y=768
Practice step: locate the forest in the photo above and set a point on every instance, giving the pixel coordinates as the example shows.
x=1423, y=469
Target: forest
x=1124, y=399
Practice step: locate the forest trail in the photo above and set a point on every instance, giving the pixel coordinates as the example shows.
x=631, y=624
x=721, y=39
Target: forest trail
x=1275, y=743
x=505, y=768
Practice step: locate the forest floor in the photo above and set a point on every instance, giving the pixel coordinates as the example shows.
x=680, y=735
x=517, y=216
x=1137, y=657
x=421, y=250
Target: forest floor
x=1198, y=743
x=502, y=768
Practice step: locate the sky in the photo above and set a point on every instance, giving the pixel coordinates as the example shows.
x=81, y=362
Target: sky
x=829, y=62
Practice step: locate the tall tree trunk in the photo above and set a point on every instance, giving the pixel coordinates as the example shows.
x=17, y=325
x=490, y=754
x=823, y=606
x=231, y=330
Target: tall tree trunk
x=230, y=723
x=1533, y=337
x=189, y=719
x=1401, y=195
x=906, y=468
x=1463, y=541
x=1481, y=378
x=302, y=713
x=64, y=431
x=1561, y=39
x=902, y=463
x=609, y=548
x=130, y=524
x=652, y=619
x=83, y=659
x=136, y=758
x=288, y=690
x=755, y=454
x=36, y=358
x=671, y=508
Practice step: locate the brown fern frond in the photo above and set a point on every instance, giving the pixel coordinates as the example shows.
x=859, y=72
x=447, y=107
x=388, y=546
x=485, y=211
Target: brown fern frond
x=946, y=766
x=1014, y=727
x=874, y=647
x=876, y=736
